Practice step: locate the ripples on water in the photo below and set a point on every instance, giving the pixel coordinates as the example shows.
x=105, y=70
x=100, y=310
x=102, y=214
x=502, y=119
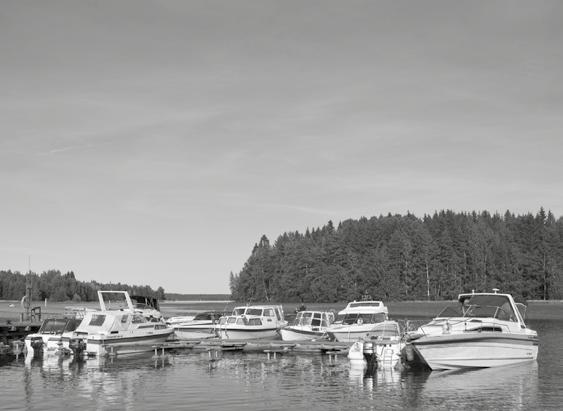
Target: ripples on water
x=239, y=381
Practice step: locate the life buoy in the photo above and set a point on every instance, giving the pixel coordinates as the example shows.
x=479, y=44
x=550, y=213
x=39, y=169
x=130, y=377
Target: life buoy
x=360, y=321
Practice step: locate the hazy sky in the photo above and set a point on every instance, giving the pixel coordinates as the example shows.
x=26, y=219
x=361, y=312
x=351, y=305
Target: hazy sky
x=154, y=142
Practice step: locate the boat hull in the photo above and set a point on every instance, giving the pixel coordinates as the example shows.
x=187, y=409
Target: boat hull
x=194, y=333
x=476, y=350
x=300, y=334
x=387, y=355
x=123, y=345
x=52, y=344
x=248, y=334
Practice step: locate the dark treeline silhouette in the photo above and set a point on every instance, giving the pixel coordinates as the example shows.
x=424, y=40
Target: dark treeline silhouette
x=397, y=257
x=55, y=286
x=197, y=297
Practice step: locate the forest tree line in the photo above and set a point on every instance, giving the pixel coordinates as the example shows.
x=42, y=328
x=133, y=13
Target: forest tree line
x=403, y=257
x=55, y=286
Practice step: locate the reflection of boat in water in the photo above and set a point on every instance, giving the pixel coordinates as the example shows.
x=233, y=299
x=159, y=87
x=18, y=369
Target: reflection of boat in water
x=506, y=387
x=359, y=320
x=252, y=322
x=201, y=326
x=383, y=350
x=367, y=377
x=308, y=325
x=52, y=337
x=487, y=331
x=117, y=328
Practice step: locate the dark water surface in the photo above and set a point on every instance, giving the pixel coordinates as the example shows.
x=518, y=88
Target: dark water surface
x=239, y=381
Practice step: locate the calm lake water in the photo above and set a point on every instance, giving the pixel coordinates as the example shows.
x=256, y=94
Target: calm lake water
x=239, y=381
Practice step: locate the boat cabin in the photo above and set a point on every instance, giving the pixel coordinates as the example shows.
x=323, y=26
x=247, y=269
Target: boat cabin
x=272, y=311
x=360, y=312
x=112, y=322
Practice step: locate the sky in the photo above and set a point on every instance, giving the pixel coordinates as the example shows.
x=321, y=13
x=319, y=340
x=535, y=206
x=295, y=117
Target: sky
x=155, y=142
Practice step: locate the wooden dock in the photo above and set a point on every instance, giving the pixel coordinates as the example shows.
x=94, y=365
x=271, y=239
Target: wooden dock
x=270, y=347
x=13, y=331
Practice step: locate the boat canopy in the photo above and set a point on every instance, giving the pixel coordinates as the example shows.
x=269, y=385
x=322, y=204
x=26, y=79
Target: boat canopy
x=59, y=325
x=364, y=307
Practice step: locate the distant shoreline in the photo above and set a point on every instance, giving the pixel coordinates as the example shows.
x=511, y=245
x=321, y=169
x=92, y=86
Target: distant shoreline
x=537, y=309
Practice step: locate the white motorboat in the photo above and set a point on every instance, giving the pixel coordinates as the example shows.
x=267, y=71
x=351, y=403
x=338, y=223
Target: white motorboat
x=252, y=322
x=383, y=349
x=201, y=326
x=359, y=320
x=179, y=319
x=118, y=328
x=52, y=337
x=308, y=325
x=488, y=330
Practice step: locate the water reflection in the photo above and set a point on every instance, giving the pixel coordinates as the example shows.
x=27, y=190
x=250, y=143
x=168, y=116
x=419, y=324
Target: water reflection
x=196, y=380
x=510, y=387
x=96, y=382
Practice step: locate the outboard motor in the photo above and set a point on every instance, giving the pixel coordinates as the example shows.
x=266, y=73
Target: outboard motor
x=78, y=346
x=371, y=358
x=37, y=345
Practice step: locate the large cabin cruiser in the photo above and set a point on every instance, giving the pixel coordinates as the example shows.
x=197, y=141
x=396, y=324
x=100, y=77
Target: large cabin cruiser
x=359, y=320
x=308, y=325
x=117, y=328
x=252, y=322
x=486, y=330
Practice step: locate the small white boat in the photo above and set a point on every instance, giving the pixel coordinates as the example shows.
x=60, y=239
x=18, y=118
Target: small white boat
x=179, y=319
x=201, y=326
x=384, y=349
x=252, y=322
x=118, y=328
x=52, y=337
x=359, y=320
x=488, y=330
x=308, y=325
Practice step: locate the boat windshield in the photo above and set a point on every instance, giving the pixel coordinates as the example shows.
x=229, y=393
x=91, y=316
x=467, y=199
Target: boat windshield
x=451, y=311
x=489, y=306
x=358, y=318
x=386, y=330
x=255, y=311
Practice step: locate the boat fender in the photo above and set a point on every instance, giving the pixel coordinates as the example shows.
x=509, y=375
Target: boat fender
x=409, y=352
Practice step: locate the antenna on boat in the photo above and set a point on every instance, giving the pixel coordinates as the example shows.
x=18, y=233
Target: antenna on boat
x=495, y=290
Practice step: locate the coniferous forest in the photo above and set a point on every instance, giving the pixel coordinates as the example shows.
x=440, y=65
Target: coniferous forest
x=55, y=286
x=398, y=257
